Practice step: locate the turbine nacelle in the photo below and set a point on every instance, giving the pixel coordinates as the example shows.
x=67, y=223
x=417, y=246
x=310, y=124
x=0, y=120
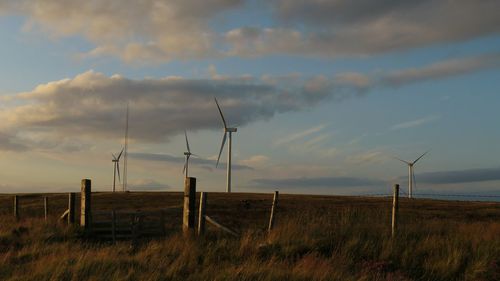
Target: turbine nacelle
x=116, y=168
x=230, y=130
x=188, y=154
x=116, y=159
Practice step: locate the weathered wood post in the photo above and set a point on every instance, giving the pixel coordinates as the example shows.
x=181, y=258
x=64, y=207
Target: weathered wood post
x=395, y=209
x=16, y=207
x=201, y=214
x=46, y=207
x=273, y=210
x=85, y=211
x=71, y=207
x=189, y=204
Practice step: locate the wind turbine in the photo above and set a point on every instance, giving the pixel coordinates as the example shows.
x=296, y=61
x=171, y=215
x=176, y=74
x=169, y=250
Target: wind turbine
x=116, y=167
x=411, y=174
x=125, y=157
x=230, y=131
x=187, y=154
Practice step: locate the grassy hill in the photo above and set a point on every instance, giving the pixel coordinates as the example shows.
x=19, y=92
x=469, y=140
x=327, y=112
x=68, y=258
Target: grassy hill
x=316, y=238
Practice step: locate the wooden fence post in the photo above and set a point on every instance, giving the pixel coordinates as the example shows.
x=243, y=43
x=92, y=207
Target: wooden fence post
x=85, y=211
x=189, y=204
x=46, y=207
x=16, y=207
x=273, y=210
x=201, y=214
x=71, y=207
x=395, y=209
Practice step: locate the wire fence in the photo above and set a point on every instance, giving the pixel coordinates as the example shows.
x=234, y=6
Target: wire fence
x=403, y=193
x=431, y=195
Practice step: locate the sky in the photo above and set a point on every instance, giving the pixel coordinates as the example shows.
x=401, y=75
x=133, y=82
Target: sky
x=325, y=94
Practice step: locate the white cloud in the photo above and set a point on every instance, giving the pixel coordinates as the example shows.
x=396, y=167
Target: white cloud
x=365, y=157
x=312, y=141
x=255, y=161
x=415, y=123
x=317, y=140
x=92, y=105
x=157, y=31
x=355, y=79
x=299, y=135
x=148, y=30
x=442, y=69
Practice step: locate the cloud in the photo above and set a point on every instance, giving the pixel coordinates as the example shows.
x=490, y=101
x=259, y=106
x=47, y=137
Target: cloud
x=155, y=31
x=309, y=141
x=328, y=182
x=354, y=79
x=367, y=27
x=204, y=163
x=364, y=27
x=371, y=156
x=148, y=30
x=459, y=176
x=9, y=142
x=358, y=83
x=444, y=69
x=92, y=105
x=299, y=135
x=314, y=142
x=26, y=141
x=415, y=123
x=255, y=161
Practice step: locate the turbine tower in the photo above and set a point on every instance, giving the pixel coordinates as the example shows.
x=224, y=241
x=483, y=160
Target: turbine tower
x=126, y=153
x=187, y=154
x=116, y=168
x=411, y=174
x=226, y=131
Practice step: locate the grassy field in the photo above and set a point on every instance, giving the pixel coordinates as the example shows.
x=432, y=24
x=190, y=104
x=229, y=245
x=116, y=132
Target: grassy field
x=316, y=238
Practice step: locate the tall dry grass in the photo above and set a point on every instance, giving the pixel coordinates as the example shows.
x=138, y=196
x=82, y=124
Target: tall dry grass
x=309, y=243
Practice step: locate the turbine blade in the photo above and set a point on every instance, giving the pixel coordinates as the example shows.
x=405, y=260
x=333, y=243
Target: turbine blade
x=195, y=155
x=221, y=115
x=118, y=170
x=114, y=157
x=187, y=142
x=120, y=155
x=184, y=169
x=420, y=157
x=402, y=160
x=221, y=148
